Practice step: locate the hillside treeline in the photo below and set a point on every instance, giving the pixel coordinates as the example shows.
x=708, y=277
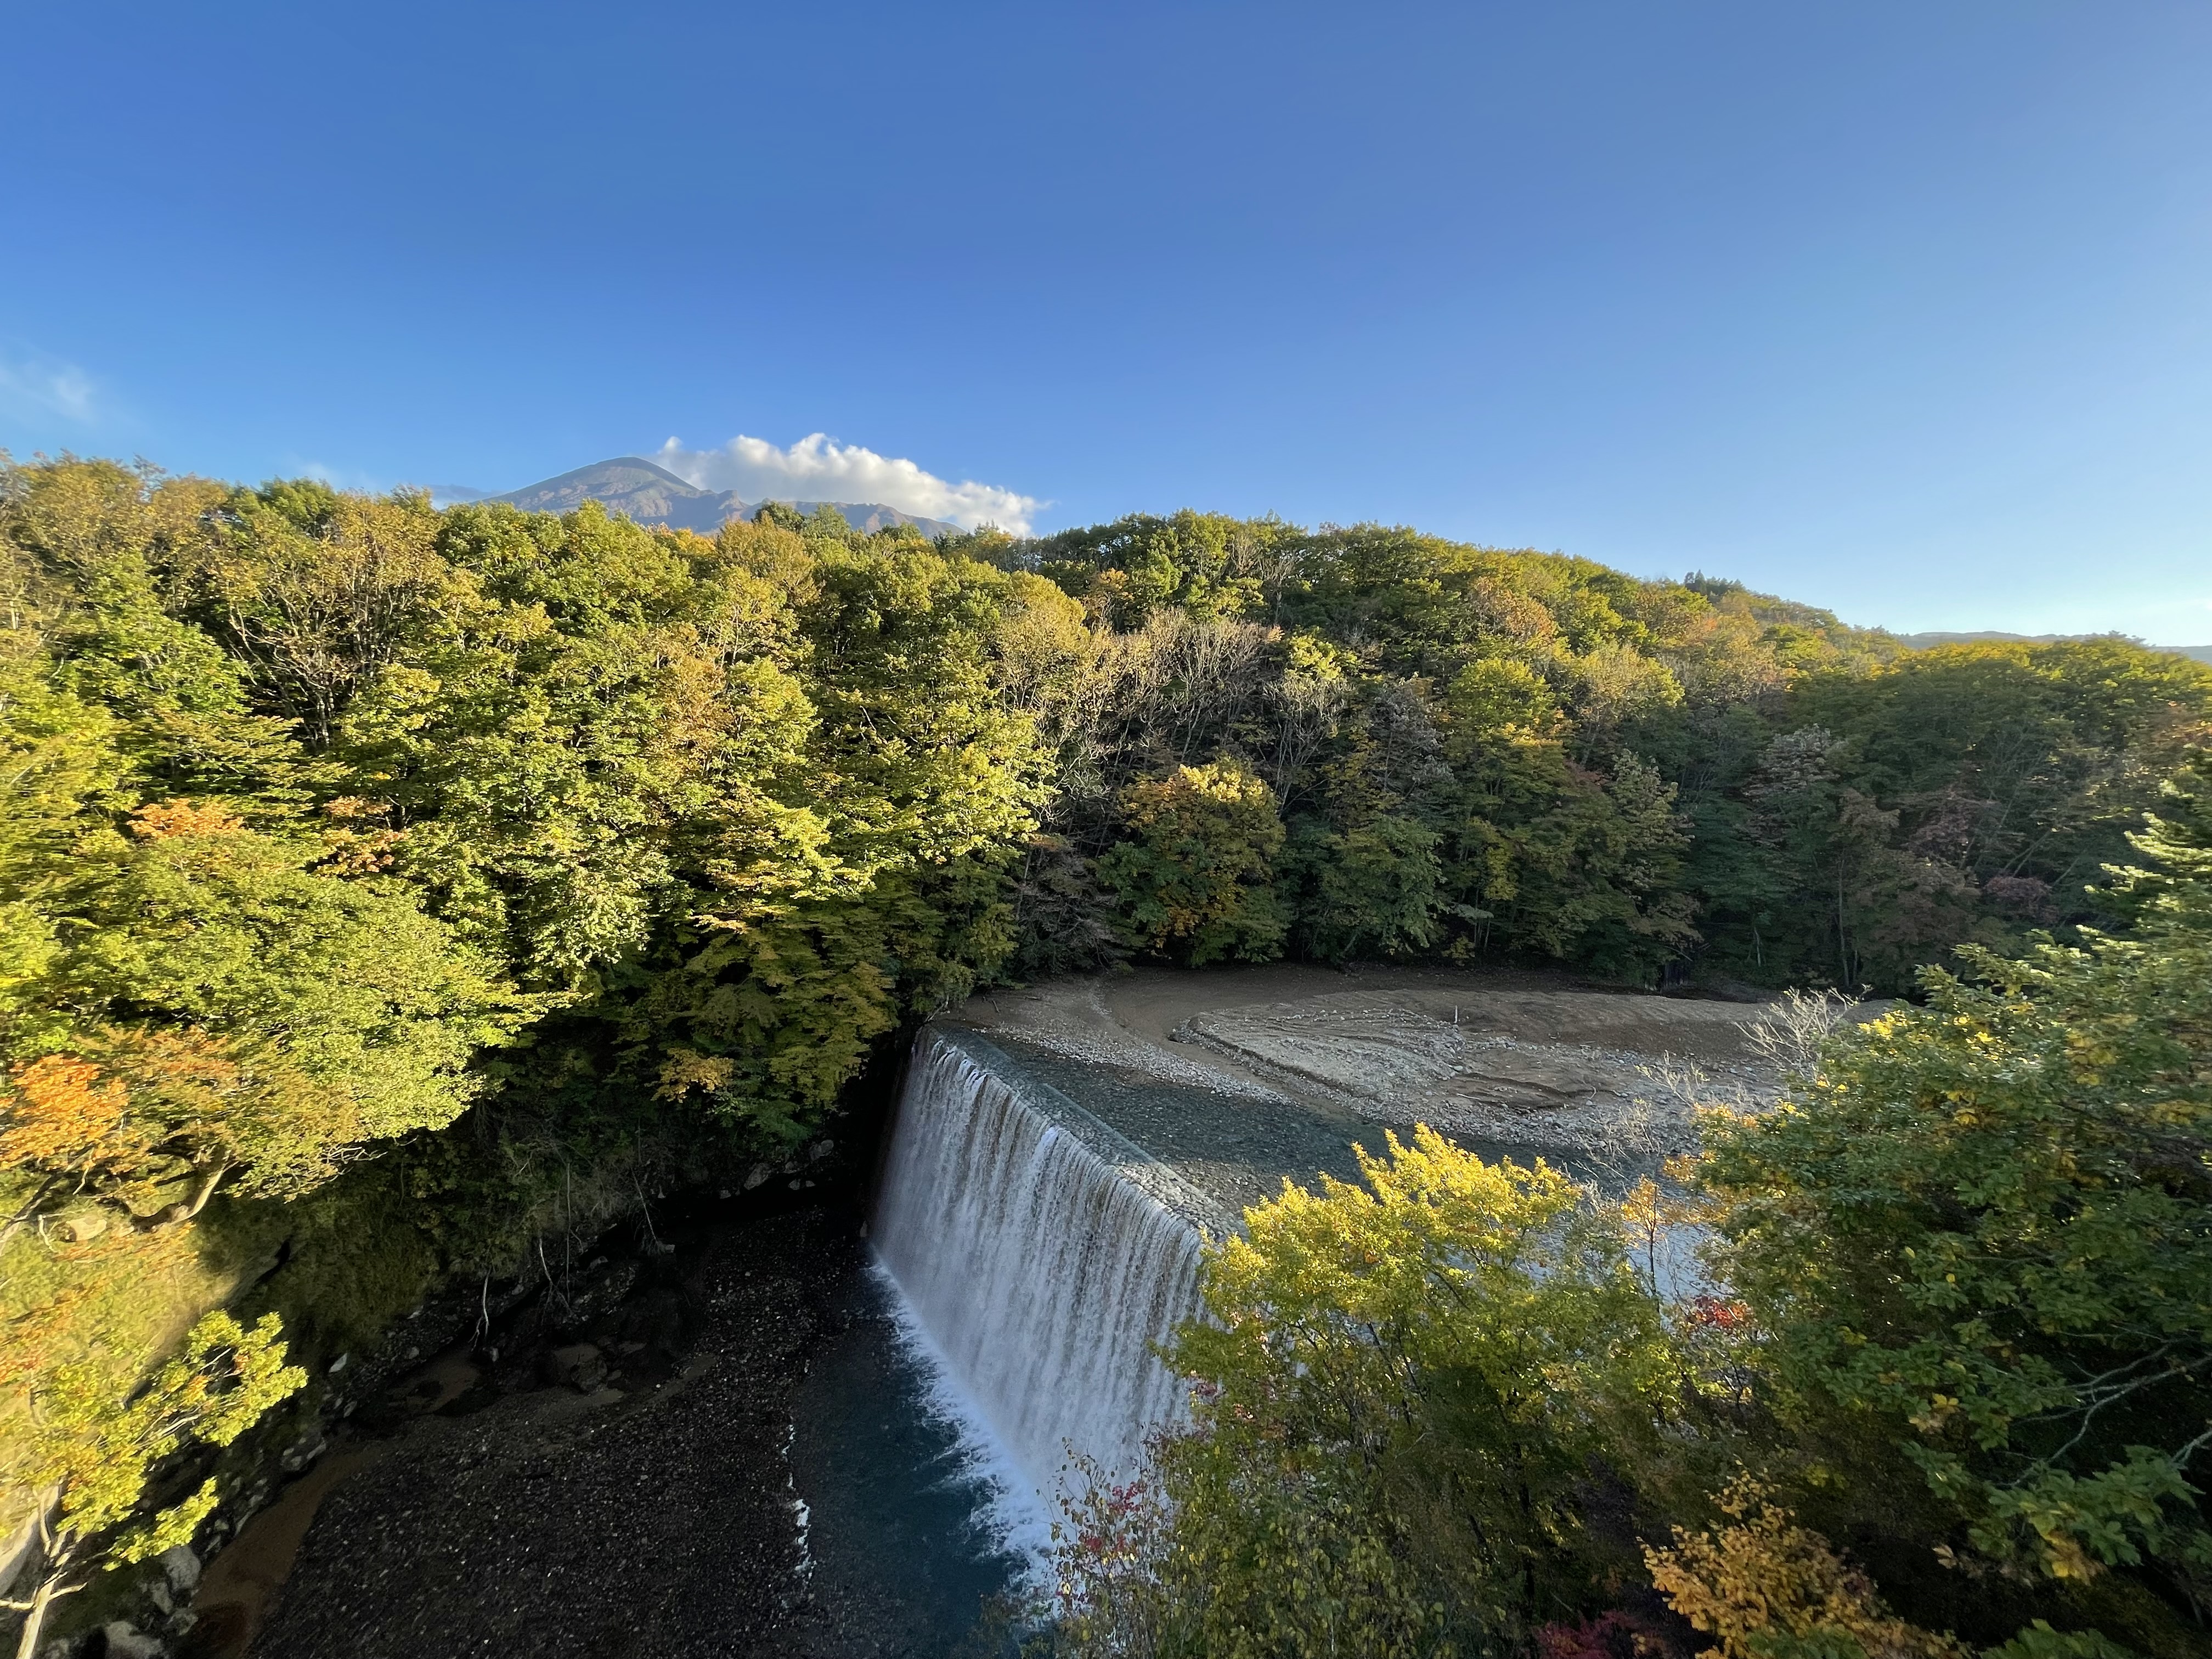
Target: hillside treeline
x=328, y=817
x=1470, y=753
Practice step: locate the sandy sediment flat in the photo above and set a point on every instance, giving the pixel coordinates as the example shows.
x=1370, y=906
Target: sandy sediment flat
x=1278, y=1068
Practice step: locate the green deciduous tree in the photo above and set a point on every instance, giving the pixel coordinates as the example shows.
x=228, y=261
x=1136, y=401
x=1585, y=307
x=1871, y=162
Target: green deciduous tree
x=94, y=1455
x=1400, y=1386
x=1195, y=879
x=183, y=995
x=1980, y=1230
x=1374, y=889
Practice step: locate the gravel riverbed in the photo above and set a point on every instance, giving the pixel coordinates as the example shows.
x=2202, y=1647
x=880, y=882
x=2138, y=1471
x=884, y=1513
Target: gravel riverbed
x=652, y=1515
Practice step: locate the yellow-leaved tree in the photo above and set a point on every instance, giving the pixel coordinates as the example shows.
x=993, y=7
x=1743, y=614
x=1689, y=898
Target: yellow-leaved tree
x=96, y=1451
x=1398, y=1392
x=1195, y=878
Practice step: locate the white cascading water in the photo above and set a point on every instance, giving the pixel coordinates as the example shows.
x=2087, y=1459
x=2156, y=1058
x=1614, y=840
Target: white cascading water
x=1042, y=1253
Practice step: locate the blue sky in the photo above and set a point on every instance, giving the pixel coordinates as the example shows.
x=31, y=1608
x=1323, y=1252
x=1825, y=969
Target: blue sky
x=1901, y=309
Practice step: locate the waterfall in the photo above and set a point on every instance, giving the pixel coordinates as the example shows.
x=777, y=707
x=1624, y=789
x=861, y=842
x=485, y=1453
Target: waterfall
x=1043, y=1252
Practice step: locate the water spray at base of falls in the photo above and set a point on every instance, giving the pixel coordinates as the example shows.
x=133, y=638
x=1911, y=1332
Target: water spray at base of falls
x=1042, y=1255
x=1011, y=1513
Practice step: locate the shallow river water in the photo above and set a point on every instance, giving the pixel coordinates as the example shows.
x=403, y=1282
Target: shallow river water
x=915, y=1520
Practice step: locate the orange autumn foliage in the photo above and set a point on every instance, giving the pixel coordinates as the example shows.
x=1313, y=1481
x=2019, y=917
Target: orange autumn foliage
x=135, y=1109
x=161, y=820
x=65, y=1117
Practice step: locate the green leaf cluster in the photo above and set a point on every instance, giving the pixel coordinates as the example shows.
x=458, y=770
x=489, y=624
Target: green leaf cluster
x=1982, y=1227
x=95, y=1454
x=1400, y=1388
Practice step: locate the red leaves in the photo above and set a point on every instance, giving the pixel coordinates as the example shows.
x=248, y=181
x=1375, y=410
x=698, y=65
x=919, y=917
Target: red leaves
x=1609, y=1636
x=1708, y=1312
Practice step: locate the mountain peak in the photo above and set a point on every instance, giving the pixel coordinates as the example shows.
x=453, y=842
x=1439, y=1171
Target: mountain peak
x=653, y=494
x=631, y=484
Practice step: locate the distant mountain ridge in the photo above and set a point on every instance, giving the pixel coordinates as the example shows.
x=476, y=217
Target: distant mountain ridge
x=1929, y=641
x=653, y=494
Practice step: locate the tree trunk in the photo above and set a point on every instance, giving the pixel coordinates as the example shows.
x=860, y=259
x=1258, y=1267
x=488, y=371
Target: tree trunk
x=29, y=1213
x=49, y=1590
x=209, y=1180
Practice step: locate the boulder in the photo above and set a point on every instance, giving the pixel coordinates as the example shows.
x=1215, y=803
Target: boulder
x=303, y=1451
x=596, y=1296
x=126, y=1641
x=579, y=1366
x=81, y=1223
x=182, y=1568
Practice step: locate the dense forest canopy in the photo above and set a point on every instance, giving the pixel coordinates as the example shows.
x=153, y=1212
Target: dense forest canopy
x=333, y=820
x=328, y=813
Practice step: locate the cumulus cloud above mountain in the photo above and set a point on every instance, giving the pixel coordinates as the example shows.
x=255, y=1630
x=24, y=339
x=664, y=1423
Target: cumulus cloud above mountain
x=818, y=468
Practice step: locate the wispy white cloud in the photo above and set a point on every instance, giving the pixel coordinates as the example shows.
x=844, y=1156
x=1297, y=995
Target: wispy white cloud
x=35, y=386
x=337, y=477
x=819, y=469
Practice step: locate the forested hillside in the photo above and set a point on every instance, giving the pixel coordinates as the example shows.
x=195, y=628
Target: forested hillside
x=333, y=821
x=1474, y=753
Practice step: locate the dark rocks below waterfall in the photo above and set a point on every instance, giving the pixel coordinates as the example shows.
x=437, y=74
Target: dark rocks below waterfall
x=637, y=1503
